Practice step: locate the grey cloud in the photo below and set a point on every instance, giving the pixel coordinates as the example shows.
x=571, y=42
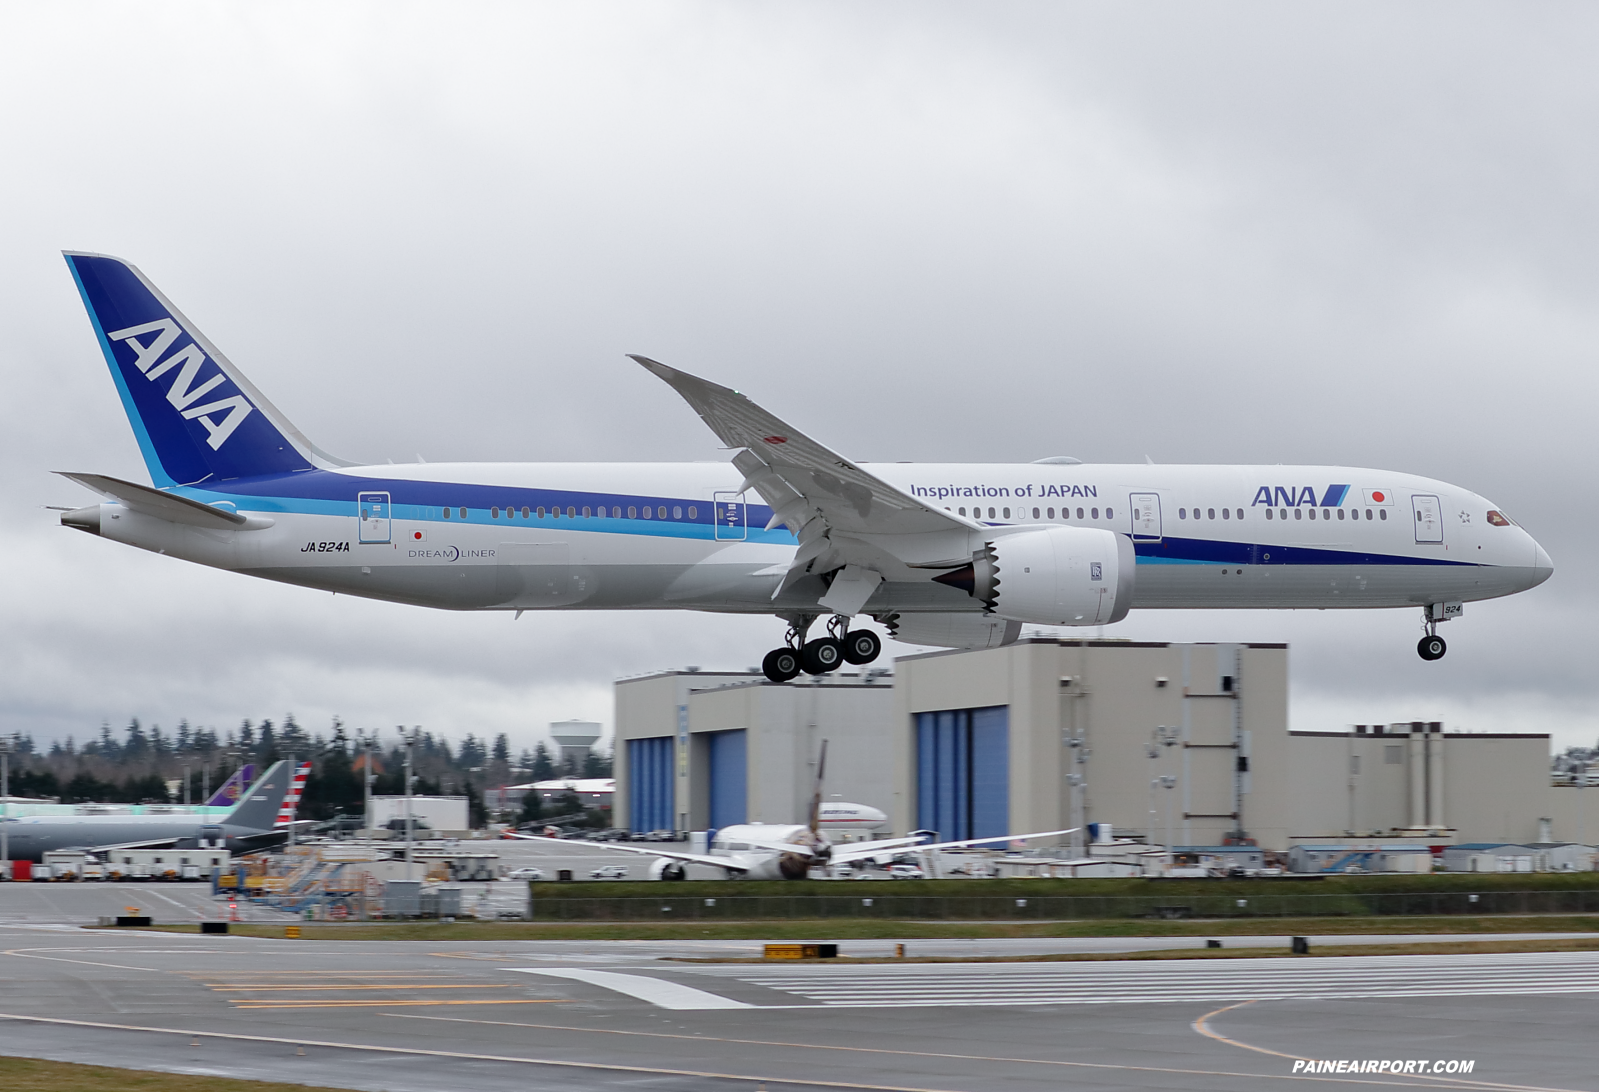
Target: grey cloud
x=1354, y=234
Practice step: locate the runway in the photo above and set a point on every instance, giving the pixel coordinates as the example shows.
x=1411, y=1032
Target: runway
x=613, y=1015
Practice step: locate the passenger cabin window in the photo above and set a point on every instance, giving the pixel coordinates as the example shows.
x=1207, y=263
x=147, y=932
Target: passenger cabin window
x=1383, y=513
x=1182, y=513
x=1051, y=512
x=1368, y=513
x=571, y=511
x=1212, y=512
x=1035, y=512
x=1268, y=513
x=1007, y=513
x=1340, y=513
x=677, y=512
x=463, y=513
x=693, y=513
x=661, y=511
x=494, y=513
x=1110, y=513
x=616, y=513
x=1226, y=513
x=585, y=511
x=632, y=512
x=990, y=513
x=1095, y=512
x=962, y=511
x=647, y=513
x=1079, y=513
x=541, y=511
x=1299, y=513
x=447, y=513
x=526, y=512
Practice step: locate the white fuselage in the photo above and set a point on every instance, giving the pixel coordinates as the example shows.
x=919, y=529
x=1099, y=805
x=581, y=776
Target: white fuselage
x=622, y=536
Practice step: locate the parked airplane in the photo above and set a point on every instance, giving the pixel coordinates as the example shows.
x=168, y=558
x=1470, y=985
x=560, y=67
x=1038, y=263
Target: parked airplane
x=781, y=851
x=219, y=803
x=256, y=822
x=958, y=555
x=839, y=815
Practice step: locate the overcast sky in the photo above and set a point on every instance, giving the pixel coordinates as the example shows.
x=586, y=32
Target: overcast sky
x=1357, y=234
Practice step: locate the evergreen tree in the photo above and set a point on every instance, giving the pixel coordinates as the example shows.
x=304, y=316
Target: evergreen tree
x=476, y=815
x=502, y=749
x=138, y=744
x=266, y=749
x=532, y=808
x=543, y=765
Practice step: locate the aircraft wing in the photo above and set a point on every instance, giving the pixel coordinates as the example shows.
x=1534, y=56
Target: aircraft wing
x=862, y=850
x=842, y=515
x=692, y=858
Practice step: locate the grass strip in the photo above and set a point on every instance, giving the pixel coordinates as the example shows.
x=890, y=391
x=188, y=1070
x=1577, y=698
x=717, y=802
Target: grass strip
x=35, y=1075
x=885, y=929
x=1444, y=947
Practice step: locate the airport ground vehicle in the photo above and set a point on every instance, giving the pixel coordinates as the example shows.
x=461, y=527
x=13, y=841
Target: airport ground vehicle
x=609, y=872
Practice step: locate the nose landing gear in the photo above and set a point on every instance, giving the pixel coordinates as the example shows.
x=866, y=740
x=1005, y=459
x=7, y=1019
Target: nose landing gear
x=822, y=655
x=1432, y=647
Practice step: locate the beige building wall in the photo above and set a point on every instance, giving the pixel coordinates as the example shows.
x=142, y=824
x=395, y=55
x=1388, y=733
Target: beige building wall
x=785, y=724
x=1220, y=703
x=1573, y=813
x=1495, y=786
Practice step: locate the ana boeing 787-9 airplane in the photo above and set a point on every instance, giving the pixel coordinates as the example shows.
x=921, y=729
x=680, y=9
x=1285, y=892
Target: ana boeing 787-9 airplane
x=955, y=555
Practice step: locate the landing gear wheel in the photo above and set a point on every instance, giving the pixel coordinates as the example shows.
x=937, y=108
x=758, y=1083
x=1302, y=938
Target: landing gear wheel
x=822, y=655
x=1432, y=647
x=861, y=646
x=781, y=664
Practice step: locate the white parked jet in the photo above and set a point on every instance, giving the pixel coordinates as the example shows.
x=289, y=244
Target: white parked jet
x=958, y=555
x=778, y=851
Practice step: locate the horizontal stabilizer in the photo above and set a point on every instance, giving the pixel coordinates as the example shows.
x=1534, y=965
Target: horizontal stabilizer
x=167, y=506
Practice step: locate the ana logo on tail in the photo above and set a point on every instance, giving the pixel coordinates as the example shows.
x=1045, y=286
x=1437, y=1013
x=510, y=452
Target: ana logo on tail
x=183, y=393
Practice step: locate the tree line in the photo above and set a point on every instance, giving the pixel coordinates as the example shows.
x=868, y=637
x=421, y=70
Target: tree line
x=137, y=765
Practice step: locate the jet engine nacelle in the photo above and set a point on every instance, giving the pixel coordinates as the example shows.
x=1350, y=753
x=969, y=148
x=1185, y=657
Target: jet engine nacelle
x=1054, y=576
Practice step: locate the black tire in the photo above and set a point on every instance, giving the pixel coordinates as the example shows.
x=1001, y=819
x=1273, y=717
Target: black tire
x=861, y=646
x=822, y=655
x=781, y=664
x=1432, y=648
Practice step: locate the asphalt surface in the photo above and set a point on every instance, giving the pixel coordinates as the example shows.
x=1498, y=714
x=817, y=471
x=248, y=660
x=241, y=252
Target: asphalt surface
x=615, y=1015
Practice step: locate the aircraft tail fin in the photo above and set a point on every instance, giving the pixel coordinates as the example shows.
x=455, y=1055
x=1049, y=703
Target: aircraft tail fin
x=195, y=415
x=291, y=802
x=258, y=808
x=228, y=795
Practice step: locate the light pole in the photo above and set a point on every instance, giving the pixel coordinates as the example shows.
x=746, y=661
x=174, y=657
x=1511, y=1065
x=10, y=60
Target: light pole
x=371, y=741
x=1168, y=782
x=7, y=745
x=410, y=746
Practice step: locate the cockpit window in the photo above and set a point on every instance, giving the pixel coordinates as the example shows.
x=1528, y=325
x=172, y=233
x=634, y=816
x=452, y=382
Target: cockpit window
x=1498, y=519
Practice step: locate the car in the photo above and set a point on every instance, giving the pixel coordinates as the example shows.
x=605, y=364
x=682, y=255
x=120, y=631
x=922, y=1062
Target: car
x=906, y=872
x=528, y=873
x=609, y=872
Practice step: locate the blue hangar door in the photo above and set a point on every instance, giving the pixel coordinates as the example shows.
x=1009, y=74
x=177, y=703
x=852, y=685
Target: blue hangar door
x=729, y=778
x=649, y=783
x=963, y=772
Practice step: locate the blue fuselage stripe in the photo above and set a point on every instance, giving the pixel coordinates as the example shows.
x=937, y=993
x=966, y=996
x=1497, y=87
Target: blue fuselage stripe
x=323, y=493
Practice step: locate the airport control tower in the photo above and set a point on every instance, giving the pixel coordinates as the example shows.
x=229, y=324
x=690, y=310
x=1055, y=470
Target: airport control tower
x=575, y=738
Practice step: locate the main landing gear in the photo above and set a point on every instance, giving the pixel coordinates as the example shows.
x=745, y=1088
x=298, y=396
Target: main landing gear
x=817, y=657
x=1431, y=647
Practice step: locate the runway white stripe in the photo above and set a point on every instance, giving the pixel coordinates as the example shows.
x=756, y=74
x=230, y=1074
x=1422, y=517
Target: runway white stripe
x=1170, y=980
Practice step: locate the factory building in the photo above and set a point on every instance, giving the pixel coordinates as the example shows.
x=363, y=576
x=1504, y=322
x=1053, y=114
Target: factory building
x=1185, y=744
x=698, y=751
